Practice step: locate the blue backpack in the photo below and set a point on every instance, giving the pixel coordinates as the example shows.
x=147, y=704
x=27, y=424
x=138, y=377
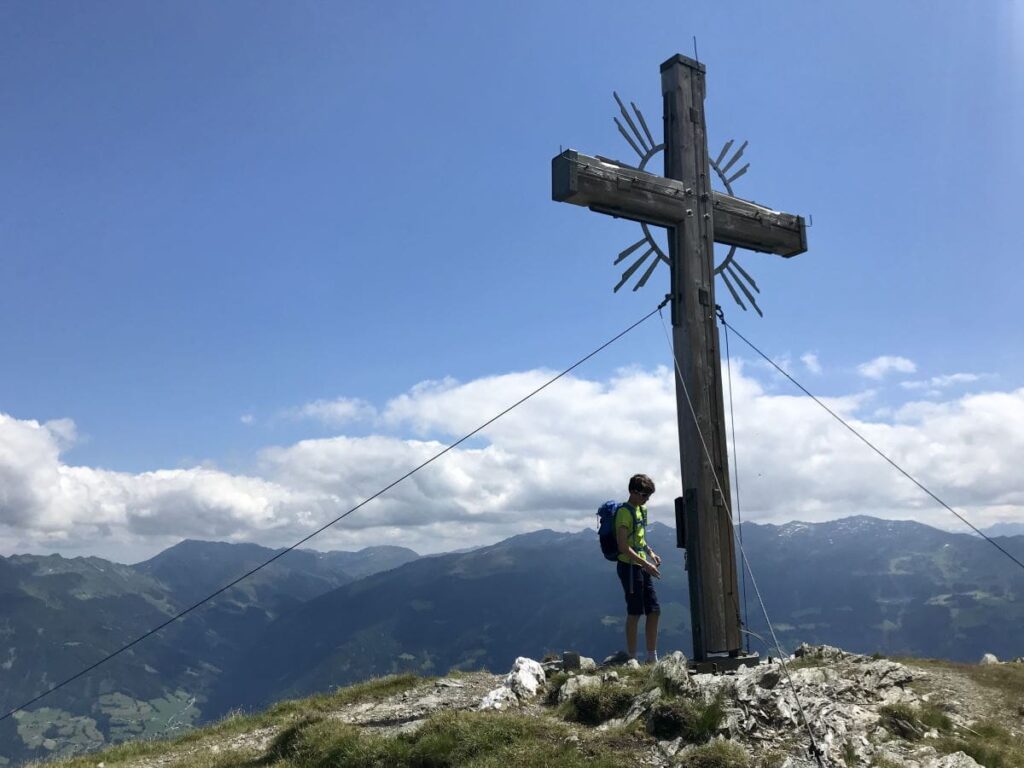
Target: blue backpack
x=606, y=528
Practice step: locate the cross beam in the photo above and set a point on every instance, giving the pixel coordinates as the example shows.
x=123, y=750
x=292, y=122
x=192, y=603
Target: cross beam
x=608, y=186
x=696, y=217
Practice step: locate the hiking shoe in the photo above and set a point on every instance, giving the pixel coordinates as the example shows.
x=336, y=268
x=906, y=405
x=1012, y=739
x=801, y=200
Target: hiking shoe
x=616, y=660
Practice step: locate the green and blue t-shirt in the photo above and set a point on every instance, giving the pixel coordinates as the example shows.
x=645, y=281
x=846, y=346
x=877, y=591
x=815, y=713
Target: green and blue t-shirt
x=635, y=520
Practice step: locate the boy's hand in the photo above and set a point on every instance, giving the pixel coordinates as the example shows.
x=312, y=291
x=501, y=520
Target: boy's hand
x=657, y=560
x=652, y=569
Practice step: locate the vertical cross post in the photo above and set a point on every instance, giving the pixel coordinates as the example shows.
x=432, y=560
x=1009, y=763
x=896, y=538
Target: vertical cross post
x=696, y=217
x=708, y=530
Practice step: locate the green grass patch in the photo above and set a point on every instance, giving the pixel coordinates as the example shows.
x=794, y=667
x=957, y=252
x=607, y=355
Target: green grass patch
x=593, y=706
x=806, y=662
x=446, y=740
x=369, y=690
x=696, y=720
x=849, y=754
x=553, y=685
x=776, y=758
x=912, y=723
x=1006, y=680
x=989, y=743
x=281, y=715
x=716, y=754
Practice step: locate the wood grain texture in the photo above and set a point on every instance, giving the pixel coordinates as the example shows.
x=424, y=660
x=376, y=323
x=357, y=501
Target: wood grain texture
x=627, y=193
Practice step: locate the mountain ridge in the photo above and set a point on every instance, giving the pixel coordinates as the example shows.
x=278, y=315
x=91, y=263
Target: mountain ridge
x=878, y=585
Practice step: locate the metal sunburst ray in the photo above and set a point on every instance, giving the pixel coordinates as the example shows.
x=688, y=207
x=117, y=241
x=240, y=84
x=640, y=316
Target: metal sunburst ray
x=739, y=274
x=643, y=144
x=637, y=133
x=729, y=267
x=633, y=268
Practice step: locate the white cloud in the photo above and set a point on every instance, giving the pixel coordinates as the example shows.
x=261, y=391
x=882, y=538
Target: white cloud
x=880, y=366
x=52, y=504
x=936, y=383
x=247, y=418
x=548, y=464
x=811, y=362
x=335, y=413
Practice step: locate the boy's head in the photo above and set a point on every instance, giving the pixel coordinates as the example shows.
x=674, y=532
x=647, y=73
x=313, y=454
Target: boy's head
x=641, y=485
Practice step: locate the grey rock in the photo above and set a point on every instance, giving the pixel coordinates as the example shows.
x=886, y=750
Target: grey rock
x=671, y=748
x=672, y=673
x=840, y=698
x=770, y=679
x=574, y=685
x=956, y=760
x=570, y=660
x=641, y=706
x=500, y=698
x=522, y=683
x=823, y=652
x=526, y=678
x=551, y=667
x=587, y=664
x=989, y=658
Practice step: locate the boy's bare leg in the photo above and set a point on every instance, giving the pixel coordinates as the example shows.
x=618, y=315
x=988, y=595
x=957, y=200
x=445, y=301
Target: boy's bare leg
x=651, y=632
x=632, y=629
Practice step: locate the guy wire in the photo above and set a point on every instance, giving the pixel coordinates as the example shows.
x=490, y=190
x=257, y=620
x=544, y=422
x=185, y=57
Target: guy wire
x=871, y=445
x=736, y=473
x=323, y=528
x=707, y=453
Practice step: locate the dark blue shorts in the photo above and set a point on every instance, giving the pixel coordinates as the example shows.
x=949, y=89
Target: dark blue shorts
x=639, y=588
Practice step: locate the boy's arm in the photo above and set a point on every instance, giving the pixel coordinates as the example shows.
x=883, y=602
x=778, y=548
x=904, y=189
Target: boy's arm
x=653, y=554
x=622, y=538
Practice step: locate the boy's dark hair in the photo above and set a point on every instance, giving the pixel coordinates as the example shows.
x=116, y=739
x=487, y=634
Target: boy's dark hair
x=641, y=484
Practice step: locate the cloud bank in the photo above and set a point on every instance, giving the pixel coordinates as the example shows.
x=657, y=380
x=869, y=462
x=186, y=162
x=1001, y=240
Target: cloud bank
x=878, y=368
x=548, y=464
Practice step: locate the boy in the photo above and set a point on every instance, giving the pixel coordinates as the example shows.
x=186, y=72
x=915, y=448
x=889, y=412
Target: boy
x=636, y=567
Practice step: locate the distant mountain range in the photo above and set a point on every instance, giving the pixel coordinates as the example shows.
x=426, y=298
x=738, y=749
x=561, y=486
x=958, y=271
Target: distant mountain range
x=312, y=621
x=1005, y=529
x=58, y=616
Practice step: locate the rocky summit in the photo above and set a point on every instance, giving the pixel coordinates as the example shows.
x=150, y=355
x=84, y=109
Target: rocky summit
x=821, y=706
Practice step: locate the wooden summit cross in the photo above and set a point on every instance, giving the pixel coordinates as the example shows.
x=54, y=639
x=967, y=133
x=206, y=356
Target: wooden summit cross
x=696, y=217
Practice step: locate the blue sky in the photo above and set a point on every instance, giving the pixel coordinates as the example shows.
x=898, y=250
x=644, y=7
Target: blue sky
x=216, y=215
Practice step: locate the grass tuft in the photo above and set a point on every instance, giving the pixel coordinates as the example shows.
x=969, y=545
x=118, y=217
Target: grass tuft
x=989, y=743
x=284, y=744
x=716, y=754
x=849, y=753
x=593, y=706
x=554, y=685
x=447, y=740
x=912, y=723
x=697, y=721
x=369, y=690
x=281, y=715
x=1006, y=680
